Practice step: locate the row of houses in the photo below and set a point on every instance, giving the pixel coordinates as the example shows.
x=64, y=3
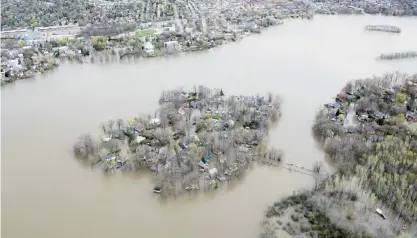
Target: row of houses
x=169, y=47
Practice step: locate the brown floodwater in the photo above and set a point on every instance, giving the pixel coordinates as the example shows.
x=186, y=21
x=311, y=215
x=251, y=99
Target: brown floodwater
x=47, y=193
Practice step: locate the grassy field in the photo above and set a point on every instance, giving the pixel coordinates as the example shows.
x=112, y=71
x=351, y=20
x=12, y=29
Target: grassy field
x=144, y=33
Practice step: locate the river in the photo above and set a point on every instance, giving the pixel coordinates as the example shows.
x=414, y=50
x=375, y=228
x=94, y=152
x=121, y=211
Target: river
x=47, y=193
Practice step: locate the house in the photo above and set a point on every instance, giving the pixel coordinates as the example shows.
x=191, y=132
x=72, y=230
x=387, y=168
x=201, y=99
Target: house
x=106, y=138
x=213, y=172
x=346, y=96
x=170, y=28
x=155, y=121
x=377, y=115
x=335, y=105
x=228, y=36
x=189, y=30
x=148, y=48
x=14, y=64
x=172, y=46
x=36, y=60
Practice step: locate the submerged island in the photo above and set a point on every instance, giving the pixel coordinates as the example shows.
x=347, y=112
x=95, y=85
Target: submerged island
x=369, y=135
x=196, y=140
x=383, y=28
x=398, y=55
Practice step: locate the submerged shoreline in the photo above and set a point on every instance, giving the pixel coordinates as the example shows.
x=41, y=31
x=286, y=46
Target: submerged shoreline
x=24, y=52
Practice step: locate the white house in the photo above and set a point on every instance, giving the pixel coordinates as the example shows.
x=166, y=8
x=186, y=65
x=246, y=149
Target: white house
x=14, y=64
x=213, y=172
x=172, y=46
x=155, y=121
x=148, y=47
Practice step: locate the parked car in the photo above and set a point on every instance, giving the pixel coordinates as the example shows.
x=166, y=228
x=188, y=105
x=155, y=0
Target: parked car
x=411, y=116
x=351, y=130
x=363, y=118
x=377, y=115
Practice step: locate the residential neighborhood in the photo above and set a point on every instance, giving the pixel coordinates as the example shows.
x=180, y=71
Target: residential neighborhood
x=100, y=30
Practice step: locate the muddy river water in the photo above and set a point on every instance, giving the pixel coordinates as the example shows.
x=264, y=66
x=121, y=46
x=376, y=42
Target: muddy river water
x=46, y=193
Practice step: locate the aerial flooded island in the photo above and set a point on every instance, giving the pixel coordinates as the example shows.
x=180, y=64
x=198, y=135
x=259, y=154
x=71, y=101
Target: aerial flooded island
x=383, y=28
x=38, y=35
x=369, y=135
x=202, y=139
x=197, y=140
x=398, y=55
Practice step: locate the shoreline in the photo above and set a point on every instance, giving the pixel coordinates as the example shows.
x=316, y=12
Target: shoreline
x=81, y=51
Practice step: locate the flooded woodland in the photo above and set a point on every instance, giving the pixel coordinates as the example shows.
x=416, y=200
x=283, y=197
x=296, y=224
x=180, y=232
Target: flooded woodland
x=47, y=193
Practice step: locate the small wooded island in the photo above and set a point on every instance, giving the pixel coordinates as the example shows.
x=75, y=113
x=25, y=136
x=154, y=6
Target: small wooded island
x=383, y=28
x=398, y=55
x=196, y=140
x=369, y=135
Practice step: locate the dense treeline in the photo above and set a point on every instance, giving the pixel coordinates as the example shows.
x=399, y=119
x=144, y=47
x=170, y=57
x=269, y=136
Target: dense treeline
x=391, y=173
x=31, y=13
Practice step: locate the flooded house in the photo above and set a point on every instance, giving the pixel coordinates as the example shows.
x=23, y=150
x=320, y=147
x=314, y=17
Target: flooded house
x=172, y=46
x=148, y=48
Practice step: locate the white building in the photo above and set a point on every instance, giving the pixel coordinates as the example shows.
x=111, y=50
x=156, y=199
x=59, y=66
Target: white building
x=14, y=64
x=148, y=47
x=172, y=46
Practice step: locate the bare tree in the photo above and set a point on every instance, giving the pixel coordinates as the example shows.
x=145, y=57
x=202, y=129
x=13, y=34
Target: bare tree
x=120, y=124
x=85, y=147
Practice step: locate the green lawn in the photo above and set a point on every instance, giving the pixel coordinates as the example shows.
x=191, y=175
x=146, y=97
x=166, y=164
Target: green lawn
x=146, y=32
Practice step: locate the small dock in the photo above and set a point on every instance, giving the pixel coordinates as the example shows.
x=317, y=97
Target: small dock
x=297, y=168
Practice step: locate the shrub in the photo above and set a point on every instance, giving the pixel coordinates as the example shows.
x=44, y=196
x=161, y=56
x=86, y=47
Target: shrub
x=21, y=43
x=99, y=42
x=62, y=42
x=400, y=117
x=400, y=97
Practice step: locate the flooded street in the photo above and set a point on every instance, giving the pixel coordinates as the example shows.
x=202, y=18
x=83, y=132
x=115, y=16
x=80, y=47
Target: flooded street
x=47, y=193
